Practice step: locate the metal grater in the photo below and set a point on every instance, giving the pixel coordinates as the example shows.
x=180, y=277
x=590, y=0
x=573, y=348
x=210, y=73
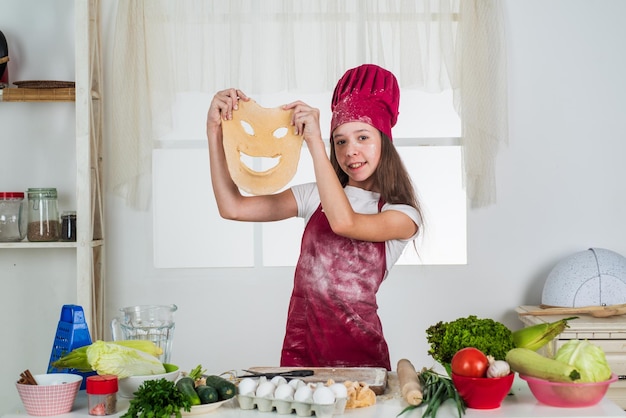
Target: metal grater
x=72, y=332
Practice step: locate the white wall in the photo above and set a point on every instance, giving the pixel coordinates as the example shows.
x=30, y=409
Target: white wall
x=560, y=190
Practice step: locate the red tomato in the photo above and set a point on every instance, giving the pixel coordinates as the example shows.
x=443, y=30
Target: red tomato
x=470, y=362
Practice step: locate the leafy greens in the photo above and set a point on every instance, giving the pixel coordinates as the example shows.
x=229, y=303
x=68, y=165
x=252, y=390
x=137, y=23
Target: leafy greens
x=446, y=338
x=587, y=358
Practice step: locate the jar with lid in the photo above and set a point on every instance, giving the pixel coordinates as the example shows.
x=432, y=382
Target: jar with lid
x=43, y=215
x=68, y=226
x=102, y=394
x=13, y=216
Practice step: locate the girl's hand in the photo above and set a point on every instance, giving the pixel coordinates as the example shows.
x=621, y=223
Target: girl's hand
x=306, y=121
x=223, y=104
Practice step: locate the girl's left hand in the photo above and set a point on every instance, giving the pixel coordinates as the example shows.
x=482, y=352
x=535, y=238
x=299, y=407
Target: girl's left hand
x=306, y=121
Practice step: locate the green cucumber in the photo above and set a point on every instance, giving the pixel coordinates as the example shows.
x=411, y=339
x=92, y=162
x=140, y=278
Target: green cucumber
x=207, y=394
x=187, y=386
x=225, y=388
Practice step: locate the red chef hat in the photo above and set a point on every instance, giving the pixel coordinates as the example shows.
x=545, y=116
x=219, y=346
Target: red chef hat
x=369, y=94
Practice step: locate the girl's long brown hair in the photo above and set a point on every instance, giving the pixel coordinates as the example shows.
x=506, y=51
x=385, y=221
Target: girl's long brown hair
x=391, y=177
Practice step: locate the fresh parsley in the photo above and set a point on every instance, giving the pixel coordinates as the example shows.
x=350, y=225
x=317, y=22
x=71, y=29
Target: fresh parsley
x=157, y=399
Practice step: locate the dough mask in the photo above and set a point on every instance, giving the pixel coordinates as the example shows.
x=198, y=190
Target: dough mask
x=256, y=133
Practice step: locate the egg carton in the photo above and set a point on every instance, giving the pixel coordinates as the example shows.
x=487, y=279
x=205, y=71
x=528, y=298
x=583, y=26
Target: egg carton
x=285, y=407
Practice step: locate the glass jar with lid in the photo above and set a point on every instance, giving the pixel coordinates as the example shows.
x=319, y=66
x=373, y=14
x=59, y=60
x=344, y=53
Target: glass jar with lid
x=68, y=226
x=43, y=215
x=13, y=216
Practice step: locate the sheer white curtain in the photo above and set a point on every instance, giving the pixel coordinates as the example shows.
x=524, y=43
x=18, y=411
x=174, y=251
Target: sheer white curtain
x=163, y=47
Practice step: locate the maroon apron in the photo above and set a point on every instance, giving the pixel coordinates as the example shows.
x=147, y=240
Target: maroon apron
x=333, y=319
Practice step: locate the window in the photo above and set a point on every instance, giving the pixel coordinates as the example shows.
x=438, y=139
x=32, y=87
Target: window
x=188, y=232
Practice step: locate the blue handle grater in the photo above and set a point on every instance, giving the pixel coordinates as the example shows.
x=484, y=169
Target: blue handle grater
x=72, y=332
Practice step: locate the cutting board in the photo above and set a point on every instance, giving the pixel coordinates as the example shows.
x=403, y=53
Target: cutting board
x=375, y=378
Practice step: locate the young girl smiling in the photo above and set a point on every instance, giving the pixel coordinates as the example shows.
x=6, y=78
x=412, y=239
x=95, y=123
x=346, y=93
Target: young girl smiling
x=360, y=214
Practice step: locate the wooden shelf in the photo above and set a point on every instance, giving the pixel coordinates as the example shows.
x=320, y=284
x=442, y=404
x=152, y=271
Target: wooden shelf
x=13, y=94
x=54, y=244
x=85, y=96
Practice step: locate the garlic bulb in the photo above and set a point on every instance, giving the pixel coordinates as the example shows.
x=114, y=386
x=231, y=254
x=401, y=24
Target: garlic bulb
x=498, y=368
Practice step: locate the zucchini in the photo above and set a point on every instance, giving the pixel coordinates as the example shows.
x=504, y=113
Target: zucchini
x=225, y=388
x=207, y=394
x=187, y=386
x=527, y=362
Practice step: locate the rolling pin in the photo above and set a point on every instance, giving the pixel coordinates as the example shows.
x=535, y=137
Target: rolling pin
x=595, y=311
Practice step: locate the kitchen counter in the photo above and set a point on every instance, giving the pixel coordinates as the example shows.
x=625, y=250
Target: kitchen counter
x=520, y=403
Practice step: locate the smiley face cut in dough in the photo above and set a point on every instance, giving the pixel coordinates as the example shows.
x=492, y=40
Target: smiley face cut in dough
x=258, y=132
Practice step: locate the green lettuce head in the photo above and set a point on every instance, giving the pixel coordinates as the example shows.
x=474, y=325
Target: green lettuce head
x=587, y=358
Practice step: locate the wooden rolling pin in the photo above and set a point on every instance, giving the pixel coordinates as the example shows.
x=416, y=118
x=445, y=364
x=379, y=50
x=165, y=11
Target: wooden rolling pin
x=595, y=311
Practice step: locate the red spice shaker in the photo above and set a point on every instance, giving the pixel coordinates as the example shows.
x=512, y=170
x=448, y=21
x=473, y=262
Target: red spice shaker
x=102, y=394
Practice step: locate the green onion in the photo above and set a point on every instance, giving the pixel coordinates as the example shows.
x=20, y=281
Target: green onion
x=436, y=389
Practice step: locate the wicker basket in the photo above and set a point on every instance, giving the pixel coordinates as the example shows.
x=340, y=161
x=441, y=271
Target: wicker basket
x=44, y=84
x=38, y=95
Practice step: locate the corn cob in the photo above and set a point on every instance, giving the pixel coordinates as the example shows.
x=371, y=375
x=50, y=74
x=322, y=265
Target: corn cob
x=77, y=358
x=537, y=336
x=527, y=362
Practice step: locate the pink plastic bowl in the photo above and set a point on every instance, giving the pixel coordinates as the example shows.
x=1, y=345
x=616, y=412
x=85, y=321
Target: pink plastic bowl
x=483, y=392
x=53, y=394
x=568, y=395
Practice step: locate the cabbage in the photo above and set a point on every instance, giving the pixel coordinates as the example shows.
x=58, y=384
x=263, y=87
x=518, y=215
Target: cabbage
x=110, y=358
x=587, y=358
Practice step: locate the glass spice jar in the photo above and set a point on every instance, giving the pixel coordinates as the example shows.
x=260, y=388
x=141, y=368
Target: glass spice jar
x=68, y=226
x=43, y=215
x=13, y=216
x=102, y=394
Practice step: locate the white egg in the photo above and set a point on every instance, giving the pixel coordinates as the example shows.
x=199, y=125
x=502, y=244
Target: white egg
x=340, y=390
x=323, y=395
x=284, y=392
x=265, y=390
x=278, y=380
x=296, y=383
x=247, y=386
x=303, y=394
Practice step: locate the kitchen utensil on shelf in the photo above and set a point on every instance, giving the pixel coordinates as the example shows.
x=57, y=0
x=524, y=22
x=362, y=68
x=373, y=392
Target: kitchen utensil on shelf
x=4, y=60
x=595, y=311
x=147, y=322
x=286, y=374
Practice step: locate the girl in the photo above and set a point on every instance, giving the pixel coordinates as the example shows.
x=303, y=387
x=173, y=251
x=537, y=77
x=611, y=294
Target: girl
x=360, y=213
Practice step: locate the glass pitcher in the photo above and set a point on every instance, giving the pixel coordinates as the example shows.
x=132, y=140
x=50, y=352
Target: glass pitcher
x=147, y=322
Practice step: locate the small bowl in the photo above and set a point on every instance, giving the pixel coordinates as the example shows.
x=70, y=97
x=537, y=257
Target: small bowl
x=568, y=395
x=483, y=392
x=54, y=393
x=129, y=385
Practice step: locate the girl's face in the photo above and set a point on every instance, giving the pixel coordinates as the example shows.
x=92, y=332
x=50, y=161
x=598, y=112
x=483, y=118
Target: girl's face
x=358, y=149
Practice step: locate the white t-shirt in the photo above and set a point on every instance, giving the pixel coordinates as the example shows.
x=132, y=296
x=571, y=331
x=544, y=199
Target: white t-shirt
x=362, y=201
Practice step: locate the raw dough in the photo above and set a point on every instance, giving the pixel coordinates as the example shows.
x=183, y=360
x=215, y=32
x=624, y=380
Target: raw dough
x=359, y=395
x=255, y=131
